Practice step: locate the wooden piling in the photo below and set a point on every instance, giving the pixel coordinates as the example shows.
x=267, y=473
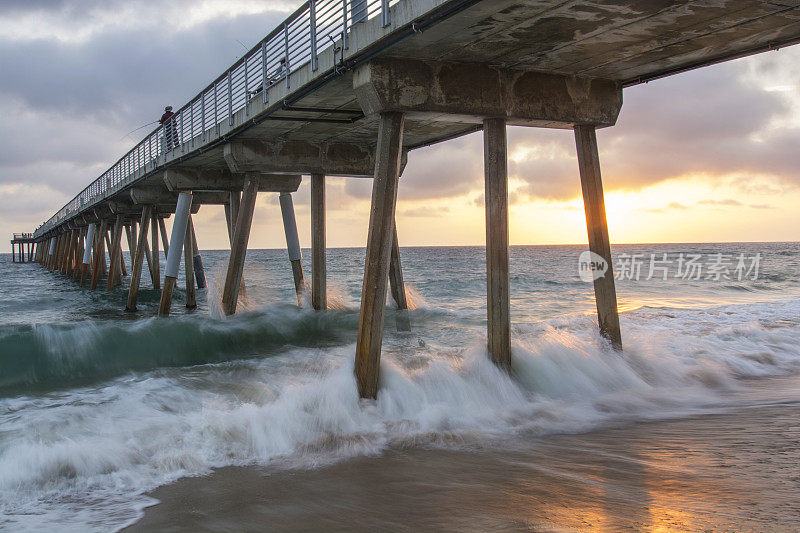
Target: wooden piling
x=497, y=291
x=116, y=254
x=188, y=265
x=155, y=265
x=99, y=254
x=136, y=268
x=594, y=205
x=231, y=214
x=76, y=271
x=379, y=248
x=319, y=297
x=87, y=251
x=241, y=235
x=197, y=259
x=163, y=228
x=292, y=244
x=179, y=225
x=397, y=287
x=131, y=235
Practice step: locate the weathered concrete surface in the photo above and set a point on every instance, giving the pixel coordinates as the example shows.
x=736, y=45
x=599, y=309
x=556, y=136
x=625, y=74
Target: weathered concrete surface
x=210, y=179
x=468, y=93
x=293, y=156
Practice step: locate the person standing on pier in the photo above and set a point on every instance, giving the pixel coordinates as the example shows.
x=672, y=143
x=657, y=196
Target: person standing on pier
x=168, y=122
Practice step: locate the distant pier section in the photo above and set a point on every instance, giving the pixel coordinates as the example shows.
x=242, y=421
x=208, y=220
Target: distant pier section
x=350, y=89
x=22, y=247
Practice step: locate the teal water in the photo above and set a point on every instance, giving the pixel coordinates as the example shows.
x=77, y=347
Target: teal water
x=98, y=406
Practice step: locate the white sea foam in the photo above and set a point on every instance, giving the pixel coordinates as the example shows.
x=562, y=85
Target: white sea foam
x=85, y=457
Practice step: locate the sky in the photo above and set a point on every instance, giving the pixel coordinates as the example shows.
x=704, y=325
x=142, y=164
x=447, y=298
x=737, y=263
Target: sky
x=706, y=156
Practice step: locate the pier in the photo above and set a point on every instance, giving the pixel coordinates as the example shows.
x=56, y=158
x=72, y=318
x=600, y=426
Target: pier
x=350, y=89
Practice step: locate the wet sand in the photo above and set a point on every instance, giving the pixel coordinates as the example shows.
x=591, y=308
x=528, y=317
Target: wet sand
x=738, y=471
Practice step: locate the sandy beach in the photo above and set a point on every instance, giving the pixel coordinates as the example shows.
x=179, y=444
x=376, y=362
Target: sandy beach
x=735, y=471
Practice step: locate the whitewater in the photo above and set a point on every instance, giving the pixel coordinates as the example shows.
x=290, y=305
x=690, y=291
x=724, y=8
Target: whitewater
x=99, y=407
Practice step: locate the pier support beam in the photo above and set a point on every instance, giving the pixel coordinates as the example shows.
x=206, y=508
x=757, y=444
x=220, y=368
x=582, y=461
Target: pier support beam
x=87, y=251
x=197, y=260
x=379, y=248
x=138, y=260
x=99, y=254
x=50, y=251
x=115, y=272
x=179, y=226
x=497, y=292
x=319, y=298
x=231, y=215
x=292, y=243
x=241, y=235
x=188, y=265
x=594, y=204
x=155, y=265
x=163, y=230
x=397, y=286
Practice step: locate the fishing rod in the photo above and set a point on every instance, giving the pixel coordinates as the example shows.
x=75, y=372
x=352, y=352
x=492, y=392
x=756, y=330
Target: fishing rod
x=137, y=129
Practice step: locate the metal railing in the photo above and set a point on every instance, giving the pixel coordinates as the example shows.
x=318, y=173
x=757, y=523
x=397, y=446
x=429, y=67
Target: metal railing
x=314, y=27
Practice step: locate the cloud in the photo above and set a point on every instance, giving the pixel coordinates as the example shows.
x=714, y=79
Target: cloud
x=726, y=202
x=672, y=206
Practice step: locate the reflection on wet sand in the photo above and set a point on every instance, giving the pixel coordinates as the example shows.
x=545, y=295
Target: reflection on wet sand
x=715, y=472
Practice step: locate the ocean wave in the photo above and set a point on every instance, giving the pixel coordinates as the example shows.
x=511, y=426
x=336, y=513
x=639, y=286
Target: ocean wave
x=48, y=357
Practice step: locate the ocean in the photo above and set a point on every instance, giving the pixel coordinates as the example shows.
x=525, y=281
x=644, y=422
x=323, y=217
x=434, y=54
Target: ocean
x=101, y=411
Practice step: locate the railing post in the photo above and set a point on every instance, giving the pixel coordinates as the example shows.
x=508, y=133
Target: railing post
x=216, y=120
x=386, y=14
x=344, y=24
x=246, y=90
x=230, y=98
x=312, y=24
x=264, y=71
x=191, y=124
x=286, y=67
x=203, y=115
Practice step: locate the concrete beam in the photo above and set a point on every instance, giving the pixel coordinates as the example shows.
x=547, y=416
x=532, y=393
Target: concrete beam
x=331, y=158
x=468, y=92
x=191, y=179
x=158, y=196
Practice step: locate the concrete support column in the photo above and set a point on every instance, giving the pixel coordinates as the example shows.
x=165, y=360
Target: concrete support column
x=188, y=265
x=138, y=260
x=179, y=225
x=87, y=252
x=594, y=204
x=115, y=259
x=379, y=248
x=497, y=292
x=155, y=265
x=292, y=243
x=99, y=254
x=197, y=260
x=397, y=287
x=13, y=254
x=319, y=297
x=241, y=235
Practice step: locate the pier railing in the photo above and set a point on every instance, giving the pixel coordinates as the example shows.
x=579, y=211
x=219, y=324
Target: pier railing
x=296, y=42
